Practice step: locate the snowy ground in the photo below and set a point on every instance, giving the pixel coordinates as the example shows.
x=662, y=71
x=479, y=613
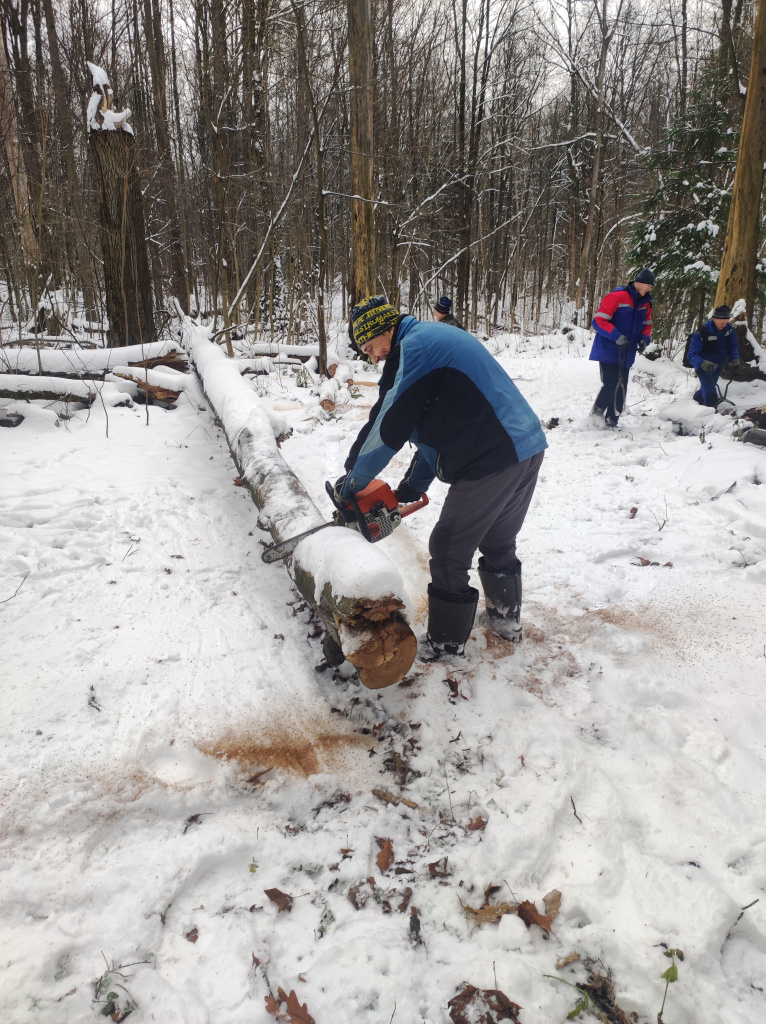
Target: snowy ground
x=154, y=668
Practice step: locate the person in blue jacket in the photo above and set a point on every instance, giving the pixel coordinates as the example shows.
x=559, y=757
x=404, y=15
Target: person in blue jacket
x=710, y=349
x=441, y=390
x=623, y=326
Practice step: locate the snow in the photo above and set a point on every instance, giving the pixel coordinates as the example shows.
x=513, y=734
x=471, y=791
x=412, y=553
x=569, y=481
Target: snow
x=100, y=77
x=152, y=665
x=352, y=566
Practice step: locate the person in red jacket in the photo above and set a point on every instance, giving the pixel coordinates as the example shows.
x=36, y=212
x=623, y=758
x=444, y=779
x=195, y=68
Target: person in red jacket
x=623, y=326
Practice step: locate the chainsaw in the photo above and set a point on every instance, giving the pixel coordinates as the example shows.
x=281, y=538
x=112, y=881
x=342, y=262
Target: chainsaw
x=374, y=512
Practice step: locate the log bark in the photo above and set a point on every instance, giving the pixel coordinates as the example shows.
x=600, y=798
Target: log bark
x=361, y=141
x=123, y=238
x=16, y=166
x=370, y=631
x=737, y=277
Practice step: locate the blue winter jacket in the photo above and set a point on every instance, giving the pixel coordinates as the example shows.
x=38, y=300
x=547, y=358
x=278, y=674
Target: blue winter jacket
x=625, y=312
x=719, y=347
x=444, y=392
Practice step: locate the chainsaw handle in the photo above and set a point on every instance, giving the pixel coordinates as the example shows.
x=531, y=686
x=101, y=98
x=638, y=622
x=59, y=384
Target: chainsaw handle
x=414, y=506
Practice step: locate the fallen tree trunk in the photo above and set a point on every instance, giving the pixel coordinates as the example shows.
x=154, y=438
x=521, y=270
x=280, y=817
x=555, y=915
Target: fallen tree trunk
x=77, y=363
x=55, y=389
x=353, y=586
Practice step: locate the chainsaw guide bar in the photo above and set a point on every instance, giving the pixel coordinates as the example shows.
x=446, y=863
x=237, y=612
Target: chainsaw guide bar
x=374, y=512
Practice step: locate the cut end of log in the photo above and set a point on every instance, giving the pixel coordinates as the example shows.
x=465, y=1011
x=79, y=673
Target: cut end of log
x=382, y=652
x=327, y=405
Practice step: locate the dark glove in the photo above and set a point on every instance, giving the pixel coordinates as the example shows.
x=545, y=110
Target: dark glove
x=622, y=340
x=734, y=364
x=333, y=491
x=708, y=367
x=643, y=345
x=405, y=494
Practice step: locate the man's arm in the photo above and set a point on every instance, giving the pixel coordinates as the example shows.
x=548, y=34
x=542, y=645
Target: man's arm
x=418, y=477
x=695, y=355
x=387, y=379
x=602, y=319
x=646, y=333
x=395, y=421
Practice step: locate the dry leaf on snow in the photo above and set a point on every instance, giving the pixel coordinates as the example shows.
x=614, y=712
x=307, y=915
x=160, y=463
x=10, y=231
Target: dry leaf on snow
x=476, y=824
x=488, y=914
x=293, y=1012
x=530, y=915
x=282, y=899
x=482, y=1006
x=385, y=858
x=565, y=961
x=296, y=1014
x=272, y=1005
x=552, y=903
x=439, y=869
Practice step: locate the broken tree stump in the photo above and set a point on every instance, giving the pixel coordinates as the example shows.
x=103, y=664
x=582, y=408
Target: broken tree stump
x=353, y=586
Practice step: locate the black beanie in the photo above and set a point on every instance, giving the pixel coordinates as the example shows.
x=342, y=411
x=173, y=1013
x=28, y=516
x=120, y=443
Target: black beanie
x=722, y=312
x=644, y=277
x=443, y=305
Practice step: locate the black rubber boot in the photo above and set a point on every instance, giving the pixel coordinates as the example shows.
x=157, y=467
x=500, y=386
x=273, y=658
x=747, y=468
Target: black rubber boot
x=450, y=621
x=502, y=592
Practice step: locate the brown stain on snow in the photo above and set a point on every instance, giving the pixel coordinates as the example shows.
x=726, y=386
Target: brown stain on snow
x=300, y=752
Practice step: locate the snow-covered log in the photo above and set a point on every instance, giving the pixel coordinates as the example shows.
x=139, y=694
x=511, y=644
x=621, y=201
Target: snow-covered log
x=328, y=394
x=60, y=389
x=77, y=362
x=302, y=352
x=51, y=389
x=354, y=587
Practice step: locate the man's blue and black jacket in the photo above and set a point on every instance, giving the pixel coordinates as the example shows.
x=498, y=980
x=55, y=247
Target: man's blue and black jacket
x=708, y=343
x=442, y=390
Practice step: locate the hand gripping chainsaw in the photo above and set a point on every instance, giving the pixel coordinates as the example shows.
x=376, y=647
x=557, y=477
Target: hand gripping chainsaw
x=374, y=512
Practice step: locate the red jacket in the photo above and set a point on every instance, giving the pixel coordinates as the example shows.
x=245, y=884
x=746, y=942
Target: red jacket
x=625, y=312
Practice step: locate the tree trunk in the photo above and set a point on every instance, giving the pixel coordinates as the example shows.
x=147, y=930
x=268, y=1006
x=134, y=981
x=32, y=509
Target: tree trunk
x=123, y=238
x=737, y=278
x=370, y=632
x=158, y=64
x=17, y=167
x=606, y=37
x=322, y=272
x=362, y=213
x=64, y=116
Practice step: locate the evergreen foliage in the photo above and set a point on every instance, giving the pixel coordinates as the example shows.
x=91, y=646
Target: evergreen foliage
x=682, y=230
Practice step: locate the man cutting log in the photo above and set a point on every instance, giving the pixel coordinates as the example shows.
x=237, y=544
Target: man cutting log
x=444, y=392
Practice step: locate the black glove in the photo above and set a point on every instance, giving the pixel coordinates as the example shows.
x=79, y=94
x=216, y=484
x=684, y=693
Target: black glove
x=622, y=340
x=405, y=494
x=708, y=367
x=642, y=346
x=333, y=491
x=734, y=364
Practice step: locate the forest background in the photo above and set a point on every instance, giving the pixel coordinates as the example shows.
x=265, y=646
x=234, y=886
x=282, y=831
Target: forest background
x=526, y=155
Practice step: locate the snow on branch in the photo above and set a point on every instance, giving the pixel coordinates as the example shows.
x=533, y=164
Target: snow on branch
x=100, y=115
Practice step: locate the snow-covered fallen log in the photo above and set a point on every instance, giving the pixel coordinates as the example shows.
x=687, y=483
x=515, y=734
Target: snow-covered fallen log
x=61, y=389
x=354, y=587
x=77, y=362
x=156, y=378
x=302, y=352
x=51, y=389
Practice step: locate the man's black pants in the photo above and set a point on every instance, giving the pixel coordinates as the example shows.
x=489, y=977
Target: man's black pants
x=611, y=398
x=486, y=514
